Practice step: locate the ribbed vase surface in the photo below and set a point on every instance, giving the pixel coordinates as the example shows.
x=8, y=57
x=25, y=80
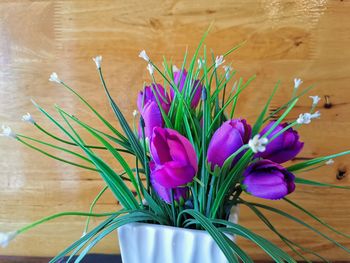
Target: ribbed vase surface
x=147, y=243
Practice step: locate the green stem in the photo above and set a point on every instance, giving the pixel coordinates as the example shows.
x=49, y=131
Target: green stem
x=173, y=206
x=55, y=147
x=55, y=157
x=74, y=144
x=51, y=217
x=92, y=207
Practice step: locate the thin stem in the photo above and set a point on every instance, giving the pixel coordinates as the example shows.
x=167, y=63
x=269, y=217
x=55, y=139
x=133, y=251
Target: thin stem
x=55, y=147
x=173, y=207
x=72, y=143
x=92, y=207
x=51, y=217
x=55, y=157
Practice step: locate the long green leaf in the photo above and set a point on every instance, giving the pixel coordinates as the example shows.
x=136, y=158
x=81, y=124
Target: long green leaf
x=293, y=218
x=214, y=232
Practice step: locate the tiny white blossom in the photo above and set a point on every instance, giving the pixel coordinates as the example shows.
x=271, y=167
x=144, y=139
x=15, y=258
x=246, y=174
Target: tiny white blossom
x=83, y=234
x=227, y=69
x=28, y=118
x=98, y=60
x=315, y=100
x=134, y=113
x=258, y=144
x=200, y=63
x=330, y=162
x=150, y=68
x=175, y=68
x=305, y=118
x=297, y=83
x=144, y=202
x=5, y=238
x=219, y=60
x=6, y=131
x=54, y=78
x=143, y=55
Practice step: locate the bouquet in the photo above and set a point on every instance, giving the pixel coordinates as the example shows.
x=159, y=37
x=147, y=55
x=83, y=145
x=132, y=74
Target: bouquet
x=194, y=158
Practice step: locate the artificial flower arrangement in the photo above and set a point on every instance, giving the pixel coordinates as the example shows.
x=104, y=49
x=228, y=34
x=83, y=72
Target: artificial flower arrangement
x=194, y=158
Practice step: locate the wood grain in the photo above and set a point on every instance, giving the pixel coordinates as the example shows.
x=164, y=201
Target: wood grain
x=285, y=39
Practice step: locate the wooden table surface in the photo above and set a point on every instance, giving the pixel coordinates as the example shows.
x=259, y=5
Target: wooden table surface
x=285, y=39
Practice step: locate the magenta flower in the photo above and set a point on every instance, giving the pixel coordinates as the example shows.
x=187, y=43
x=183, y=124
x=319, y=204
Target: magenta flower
x=284, y=147
x=149, y=109
x=175, y=160
x=268, y=180
x=196, y=87
x=165, y=193
x=231, y=136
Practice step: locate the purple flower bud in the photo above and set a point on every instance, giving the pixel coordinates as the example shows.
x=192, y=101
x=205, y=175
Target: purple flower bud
x=284, y=147
x=175, y=160
x=269, y=180
x=149, y=109
x=231, y=136
x=152, y=117
x=148, y=95
x=165, y=193
x=196, y=87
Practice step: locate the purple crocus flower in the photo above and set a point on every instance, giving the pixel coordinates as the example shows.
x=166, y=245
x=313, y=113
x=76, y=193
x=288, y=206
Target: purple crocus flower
x=175, y=160
x=165, y=193
x=284, y=147
x=152, y=93
x=268, y=180
x=152, y=117
x=231, y=136
x=180, y=79
x=149, y=109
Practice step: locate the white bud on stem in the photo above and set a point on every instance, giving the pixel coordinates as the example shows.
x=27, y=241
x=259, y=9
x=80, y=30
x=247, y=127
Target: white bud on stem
x=98, y=60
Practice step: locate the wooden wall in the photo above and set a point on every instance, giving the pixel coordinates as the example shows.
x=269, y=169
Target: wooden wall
x=309, y=39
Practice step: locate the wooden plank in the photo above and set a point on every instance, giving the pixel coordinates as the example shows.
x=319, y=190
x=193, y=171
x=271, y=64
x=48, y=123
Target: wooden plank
x=285, y=39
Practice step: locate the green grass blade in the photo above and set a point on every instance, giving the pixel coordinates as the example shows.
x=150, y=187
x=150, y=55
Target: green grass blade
x=299, y=180
x=315, y=217
x=287, y=241
x=272, y=250
x=135, y=144
x=284, y=214
x=259, y=122
x=56, y=157
x=315, y=161
x=110, y=148
x=214, y=232
x=110, y=126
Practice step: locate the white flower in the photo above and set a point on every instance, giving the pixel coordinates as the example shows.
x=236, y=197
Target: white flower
x=144, y=202
x=175, y=68
x=330, y=162
x=150, y=68
x=219, y=60
x=5, y=238
x=315, y=100
x=305, y=118
x=83, y=234
x=54, y=78
x=6, y=131
x=98, y=60
x=258, y=144
x=297, y=83
x=227, y=69
x=134, y=113
x=200, y=63
x=28, y=118
x=143, y=55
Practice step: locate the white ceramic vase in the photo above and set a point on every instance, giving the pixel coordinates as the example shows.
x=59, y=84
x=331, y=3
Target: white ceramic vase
x=148, y=243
